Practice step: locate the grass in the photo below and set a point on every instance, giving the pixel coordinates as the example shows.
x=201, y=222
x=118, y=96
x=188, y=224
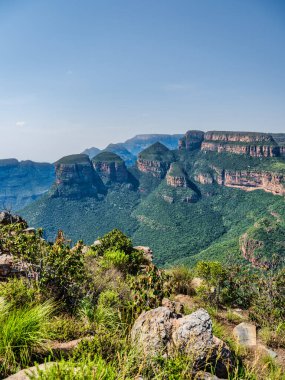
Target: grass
x=24, y=331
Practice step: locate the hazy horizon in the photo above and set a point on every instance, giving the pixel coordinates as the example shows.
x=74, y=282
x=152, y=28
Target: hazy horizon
x=79, y=74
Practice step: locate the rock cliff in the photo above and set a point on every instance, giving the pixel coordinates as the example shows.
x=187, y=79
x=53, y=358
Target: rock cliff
x=155, y=160
x=239, y=148
x=110, y=167
x=245, y=143
x=176, y=177
x=76, y=178
x=272, y=182
x=191, y=140
x=263, y=244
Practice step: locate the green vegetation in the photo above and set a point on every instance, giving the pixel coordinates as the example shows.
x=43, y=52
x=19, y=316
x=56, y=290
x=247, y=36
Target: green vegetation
x=156, y=152
x=74, y=159
x=181, y=225
x=100, y=290
x=107, y=157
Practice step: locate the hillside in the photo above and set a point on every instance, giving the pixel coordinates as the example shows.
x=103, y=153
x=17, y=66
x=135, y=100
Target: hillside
x=187, y=204
x=21, y=182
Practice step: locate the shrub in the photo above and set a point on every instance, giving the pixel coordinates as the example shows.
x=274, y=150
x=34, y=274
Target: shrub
x=65, y=327
x=180, y=280
x=23, y=332
x=95, y=369
x=273, y=338
x=63, y=275
x=117, y=259
x=20, y=292
x=214, y=275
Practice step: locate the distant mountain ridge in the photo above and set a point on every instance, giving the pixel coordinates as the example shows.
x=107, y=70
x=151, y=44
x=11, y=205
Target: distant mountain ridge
x=21, y=182
x=129, y=149
x=185, y=203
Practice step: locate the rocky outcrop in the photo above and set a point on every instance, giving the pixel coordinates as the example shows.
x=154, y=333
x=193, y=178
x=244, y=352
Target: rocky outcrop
x=245, y=334
x=163, y=332
x=263, y=243
x=191, y=140
x=248, y=180
x=76, y=178
x=245, y=143
x=8, y=218
x=249, y=150
x=155, y=160
x=239, y=137
x=21, y=182
x=176, y=176
x=253, y=180
x=110, y=167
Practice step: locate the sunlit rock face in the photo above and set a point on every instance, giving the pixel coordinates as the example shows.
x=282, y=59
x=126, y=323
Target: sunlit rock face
x=110, y=167
x=155, y=160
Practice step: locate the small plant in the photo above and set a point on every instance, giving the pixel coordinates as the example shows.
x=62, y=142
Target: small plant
x=24, y=331
x=95, y=369
x=180, y=280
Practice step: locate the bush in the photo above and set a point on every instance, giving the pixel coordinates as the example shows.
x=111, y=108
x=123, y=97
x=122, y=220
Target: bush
x=63, y=275
x=65, y=327
x=20, y=292
x=95, y=369
x=117, y=259
x=180, y=279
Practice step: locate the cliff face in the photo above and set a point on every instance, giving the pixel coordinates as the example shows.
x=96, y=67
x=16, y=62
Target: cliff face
x=155, y=160
x=176, y=177
x=240, y=137
x=263, y=244
x=110, y=167
x=21, y=182
x=249, y=150
x=247, y=180
x=76, y=178
x=192, y=140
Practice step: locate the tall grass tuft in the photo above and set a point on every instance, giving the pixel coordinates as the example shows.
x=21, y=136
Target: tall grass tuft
x=24, y=331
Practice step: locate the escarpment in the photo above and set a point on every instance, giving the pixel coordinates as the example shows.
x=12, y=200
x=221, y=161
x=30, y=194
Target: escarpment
x=245, y=143
x=110, y=167
x=248, y=180
x=76, y=178
x=176, y=176
x=263, y=244
x=191, y=140
x=155, y=160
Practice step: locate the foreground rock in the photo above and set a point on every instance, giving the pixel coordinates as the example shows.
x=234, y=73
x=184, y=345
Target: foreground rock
x=26, y=374
x=245, y=334
x=162, y=331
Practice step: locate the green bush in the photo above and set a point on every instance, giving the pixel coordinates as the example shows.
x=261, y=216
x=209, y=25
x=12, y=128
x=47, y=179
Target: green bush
x=20, y=292
x=117, y=259
x=95, y=369
x=180, y=280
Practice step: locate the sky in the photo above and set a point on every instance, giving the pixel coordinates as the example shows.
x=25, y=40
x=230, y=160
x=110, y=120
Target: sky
x=82, y=73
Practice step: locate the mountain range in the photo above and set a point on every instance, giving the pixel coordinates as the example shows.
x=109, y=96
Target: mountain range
x=218, y=195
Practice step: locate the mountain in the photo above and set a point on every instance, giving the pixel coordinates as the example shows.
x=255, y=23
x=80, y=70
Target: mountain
x=192, y=203
x=21, y=182
x=91, y=152
x=140, y=142
x=129, y=149
x=121, y=151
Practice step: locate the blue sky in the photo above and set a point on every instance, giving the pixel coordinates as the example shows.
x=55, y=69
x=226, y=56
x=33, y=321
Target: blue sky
x=81, y=73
